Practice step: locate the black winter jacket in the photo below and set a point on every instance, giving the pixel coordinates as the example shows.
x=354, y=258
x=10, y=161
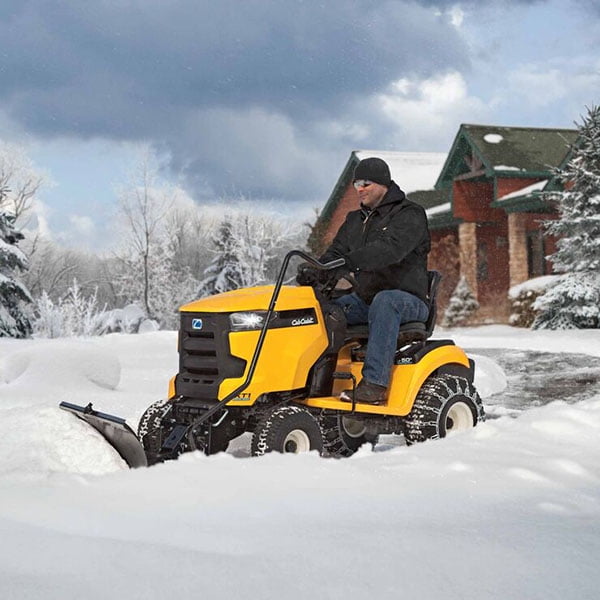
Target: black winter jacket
x=386, y=247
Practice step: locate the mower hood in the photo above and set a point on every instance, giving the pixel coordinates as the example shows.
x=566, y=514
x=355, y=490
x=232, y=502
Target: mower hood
x=255, y=298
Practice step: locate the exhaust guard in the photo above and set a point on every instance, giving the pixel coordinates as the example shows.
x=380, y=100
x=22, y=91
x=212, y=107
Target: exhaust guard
x=115, y=430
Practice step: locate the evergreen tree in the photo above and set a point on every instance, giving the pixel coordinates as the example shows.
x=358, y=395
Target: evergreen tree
x=14, y=321
x=574, y=303
x=461, y=306
x=224, y=272
x=248, y=251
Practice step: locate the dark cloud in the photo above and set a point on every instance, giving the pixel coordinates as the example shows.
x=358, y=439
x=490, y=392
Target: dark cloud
x=479, y=4
x=591, y=5
x=211, y=79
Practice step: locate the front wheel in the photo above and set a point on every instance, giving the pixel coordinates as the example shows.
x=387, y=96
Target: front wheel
x=445, y=404
x=149, y=427
x=287, y=429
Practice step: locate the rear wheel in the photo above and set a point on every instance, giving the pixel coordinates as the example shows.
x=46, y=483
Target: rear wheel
x=342, y=435
x=445, y=404
x=287, y=429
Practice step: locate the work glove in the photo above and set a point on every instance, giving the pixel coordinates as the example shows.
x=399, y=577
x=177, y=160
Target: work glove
x=307, y=275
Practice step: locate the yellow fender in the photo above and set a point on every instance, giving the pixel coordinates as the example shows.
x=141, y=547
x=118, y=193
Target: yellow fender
x=405, y=383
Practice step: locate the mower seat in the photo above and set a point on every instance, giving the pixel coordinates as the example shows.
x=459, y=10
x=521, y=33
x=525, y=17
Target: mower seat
x=413, y=331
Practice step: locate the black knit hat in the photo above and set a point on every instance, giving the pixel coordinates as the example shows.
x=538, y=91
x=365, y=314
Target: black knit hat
x=374, y=169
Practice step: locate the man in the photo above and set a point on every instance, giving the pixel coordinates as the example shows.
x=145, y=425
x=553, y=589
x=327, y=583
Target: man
x=385, y=246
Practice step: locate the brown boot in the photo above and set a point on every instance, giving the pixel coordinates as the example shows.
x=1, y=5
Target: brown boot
x=366, y=393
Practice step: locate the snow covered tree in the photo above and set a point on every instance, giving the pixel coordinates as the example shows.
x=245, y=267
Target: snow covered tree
x=73, y=315
x=143, y=205
x=14, y=296
x=20, y=180
x=224, y=272
x=247, y=248
x=574, y=303
x=461, y=306
x=151, y=273
x=166, y=286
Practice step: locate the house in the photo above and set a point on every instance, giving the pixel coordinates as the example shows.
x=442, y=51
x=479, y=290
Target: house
x=411, y=170
x=485, y=210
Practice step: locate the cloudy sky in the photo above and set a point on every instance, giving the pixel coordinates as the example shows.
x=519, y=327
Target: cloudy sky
x=267, y=98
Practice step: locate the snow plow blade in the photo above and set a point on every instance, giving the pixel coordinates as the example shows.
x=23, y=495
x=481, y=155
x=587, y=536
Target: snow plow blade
x=114, y=430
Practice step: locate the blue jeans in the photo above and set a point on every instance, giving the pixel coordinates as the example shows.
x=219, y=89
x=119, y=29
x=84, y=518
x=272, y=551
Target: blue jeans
x=389, y=310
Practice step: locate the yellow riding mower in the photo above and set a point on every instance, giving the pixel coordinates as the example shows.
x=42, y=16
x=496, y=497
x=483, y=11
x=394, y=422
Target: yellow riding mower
x=273, y=360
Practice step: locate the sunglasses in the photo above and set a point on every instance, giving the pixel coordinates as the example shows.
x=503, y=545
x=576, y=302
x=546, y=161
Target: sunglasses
x=362, y=183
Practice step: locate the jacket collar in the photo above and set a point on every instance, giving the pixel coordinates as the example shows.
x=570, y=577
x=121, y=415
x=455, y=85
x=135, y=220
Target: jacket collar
x=394, y=195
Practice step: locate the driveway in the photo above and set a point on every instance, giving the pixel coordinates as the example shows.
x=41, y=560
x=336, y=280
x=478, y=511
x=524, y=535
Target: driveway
x=537, y=378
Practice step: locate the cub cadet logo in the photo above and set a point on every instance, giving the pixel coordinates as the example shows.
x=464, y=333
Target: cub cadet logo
x=303, y=321
x=197, y=323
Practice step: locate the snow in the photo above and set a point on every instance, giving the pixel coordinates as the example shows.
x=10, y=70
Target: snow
x=508, y=510
x=16, y=254
x=492, y=138
x=441, y=208
x=63, y=363
x=412, y=171
x=507, y=168
x=490, y=378
x=534, y=187
x=582, y=341
x=536, y=285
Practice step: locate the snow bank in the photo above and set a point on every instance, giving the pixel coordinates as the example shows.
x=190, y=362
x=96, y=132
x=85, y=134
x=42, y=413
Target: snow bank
x=503, y=507
x=67, y=363
x=582, y=341
x=490, y=378
x=510, y=509
x=38, y=439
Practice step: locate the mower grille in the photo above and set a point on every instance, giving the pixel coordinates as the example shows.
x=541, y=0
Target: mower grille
x=204, y=355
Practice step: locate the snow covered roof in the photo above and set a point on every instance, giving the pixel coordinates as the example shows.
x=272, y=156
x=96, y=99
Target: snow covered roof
x=436, y=210
x=524, y=191
x=412, y=171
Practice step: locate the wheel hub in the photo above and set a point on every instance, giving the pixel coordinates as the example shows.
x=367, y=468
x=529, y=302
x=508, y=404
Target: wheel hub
x=459, y=418
x=296, y=441
x=353, y=427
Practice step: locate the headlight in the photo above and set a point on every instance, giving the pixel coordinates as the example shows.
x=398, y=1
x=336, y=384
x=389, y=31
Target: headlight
x=248, y=321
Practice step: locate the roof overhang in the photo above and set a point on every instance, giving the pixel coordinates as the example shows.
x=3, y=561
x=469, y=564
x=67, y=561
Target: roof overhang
x=534, y=202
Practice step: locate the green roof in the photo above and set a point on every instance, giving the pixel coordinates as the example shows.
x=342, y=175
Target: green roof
x=429, y=198
x=510, y=151
x=443, y=220
x=342, y=183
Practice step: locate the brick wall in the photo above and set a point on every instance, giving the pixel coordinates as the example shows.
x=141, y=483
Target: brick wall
x=347, y=203
x=444, y=257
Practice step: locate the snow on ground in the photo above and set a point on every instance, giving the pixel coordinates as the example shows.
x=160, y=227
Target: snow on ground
x=508, y=510
x=583, y=341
